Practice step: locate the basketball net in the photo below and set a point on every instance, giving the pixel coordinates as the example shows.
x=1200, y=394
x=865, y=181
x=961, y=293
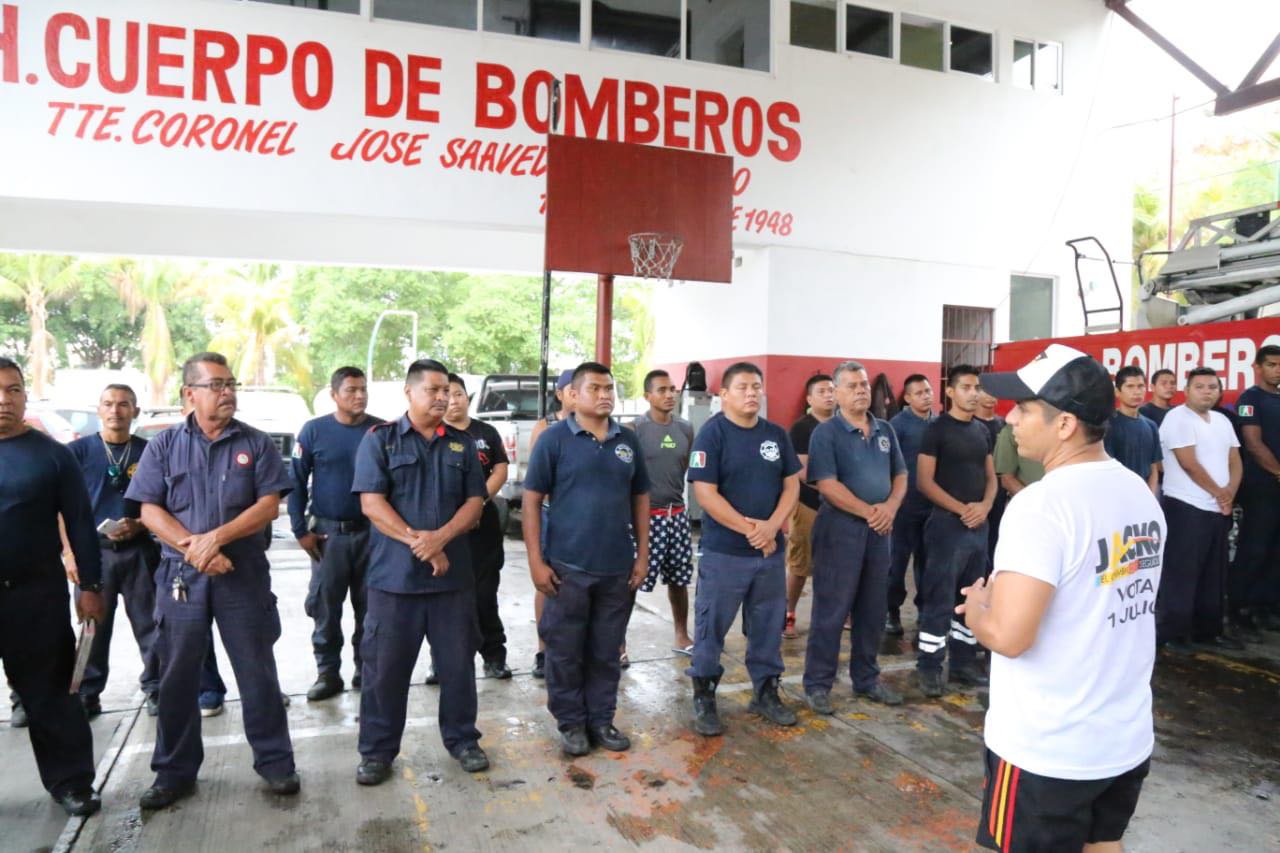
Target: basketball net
x=654, y=255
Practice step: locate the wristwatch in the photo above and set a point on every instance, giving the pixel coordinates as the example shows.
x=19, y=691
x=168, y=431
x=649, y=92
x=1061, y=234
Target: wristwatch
x=91, y=587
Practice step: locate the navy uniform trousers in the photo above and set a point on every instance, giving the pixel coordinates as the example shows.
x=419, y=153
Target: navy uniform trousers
x=244, y=607
x=956, y=557
x=850, y=577
x=907, y=545
x=1193, y=578
x=583, y=626
x=394, y=627
x=341, y=572
x=1254, y=581
x=757, y=585
x=38, y=648
x=128, y=570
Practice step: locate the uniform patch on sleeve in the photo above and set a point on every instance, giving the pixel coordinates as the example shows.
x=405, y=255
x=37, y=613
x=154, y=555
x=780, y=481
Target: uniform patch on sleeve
x=698, y=459
x=297, y=450
x=1245, y=411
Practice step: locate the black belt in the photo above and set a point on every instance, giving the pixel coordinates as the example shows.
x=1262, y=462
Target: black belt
x=334, y=525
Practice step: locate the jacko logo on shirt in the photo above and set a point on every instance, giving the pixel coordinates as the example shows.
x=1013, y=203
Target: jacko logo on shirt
x=243, y=459
x=769, y=450
x=1245, y=411
x=625, y=453
x=883, y=444
x=698, y=459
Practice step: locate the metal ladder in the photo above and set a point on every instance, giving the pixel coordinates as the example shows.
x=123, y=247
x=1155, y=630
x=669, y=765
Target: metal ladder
x=1116, y=324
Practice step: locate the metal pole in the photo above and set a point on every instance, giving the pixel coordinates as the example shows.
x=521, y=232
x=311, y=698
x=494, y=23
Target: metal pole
x=1173, y=120
x=553, y=115
x=604, y=319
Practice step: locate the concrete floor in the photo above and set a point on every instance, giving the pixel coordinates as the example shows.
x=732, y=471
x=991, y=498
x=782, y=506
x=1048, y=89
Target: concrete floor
x=869, y=778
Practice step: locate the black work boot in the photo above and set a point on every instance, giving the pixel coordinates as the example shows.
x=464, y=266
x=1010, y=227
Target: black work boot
x=706, y=721
x=766, y=703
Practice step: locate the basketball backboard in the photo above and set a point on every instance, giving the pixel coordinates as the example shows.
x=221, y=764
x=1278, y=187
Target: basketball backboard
x=600, y=193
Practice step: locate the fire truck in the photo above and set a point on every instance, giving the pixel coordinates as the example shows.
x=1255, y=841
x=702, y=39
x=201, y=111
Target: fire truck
x=1213, y=302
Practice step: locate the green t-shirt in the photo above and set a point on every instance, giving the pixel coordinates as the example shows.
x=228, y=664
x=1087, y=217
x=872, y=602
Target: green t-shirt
x=1008, y=461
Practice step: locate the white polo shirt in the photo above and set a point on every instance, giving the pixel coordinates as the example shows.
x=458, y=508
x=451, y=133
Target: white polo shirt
x=1212, y=437
x=1077, y=704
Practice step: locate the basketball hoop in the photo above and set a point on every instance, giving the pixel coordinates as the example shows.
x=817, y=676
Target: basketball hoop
x=654, y=255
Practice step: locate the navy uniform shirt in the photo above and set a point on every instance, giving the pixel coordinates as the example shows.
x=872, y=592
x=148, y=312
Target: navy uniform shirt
x=592, y=484
x=426, y=482
x=1134, y=443
x=909, y=429
x=325, y=454
x=108, y=498
x=748, y=467
x=838, y=450
x=1256, y=407
x=1153, y=412
x=39, y=479
x=205, y=484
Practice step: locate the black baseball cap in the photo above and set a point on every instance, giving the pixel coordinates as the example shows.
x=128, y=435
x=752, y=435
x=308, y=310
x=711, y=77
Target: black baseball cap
x=1063, y=377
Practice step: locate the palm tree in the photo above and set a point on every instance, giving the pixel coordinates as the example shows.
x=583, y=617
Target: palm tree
x=147, y=286
x=35, y=281
x=255, y=327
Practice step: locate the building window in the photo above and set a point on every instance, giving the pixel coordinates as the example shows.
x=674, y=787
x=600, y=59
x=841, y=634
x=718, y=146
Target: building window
x=327, y=5
x=639, y=26
x=1037, y=65
x=729, y=32
x=920, y=42
x=966, y=336
x=868, y=31
x=1030, y=307
x=460, y=14
x=813, y=24
x=558, y=20
x=972, y=53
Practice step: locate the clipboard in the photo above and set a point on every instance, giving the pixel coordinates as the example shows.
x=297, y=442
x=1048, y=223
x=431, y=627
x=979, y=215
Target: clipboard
x=84, y=646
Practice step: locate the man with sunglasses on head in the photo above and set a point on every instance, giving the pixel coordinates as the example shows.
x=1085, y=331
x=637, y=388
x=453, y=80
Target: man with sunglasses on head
x=108, y=460
x=208, y=487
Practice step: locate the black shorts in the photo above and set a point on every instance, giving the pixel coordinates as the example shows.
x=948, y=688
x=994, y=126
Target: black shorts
x=1025, y=812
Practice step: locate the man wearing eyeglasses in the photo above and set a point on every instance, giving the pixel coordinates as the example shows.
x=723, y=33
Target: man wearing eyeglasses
x=108, y=460
x=208, y=487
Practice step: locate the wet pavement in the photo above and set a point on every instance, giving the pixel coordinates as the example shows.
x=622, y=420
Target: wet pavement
x=868, y=778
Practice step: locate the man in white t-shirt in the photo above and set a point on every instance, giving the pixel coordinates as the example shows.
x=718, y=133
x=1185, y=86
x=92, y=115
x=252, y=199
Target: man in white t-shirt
x=1202, y=471
x=1069, y=617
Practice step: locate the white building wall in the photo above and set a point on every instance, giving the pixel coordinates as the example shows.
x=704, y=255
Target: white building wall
x=912, y=188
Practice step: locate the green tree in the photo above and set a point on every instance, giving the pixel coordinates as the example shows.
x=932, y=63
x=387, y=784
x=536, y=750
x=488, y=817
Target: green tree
x=338, y=307
x=35, y=281
x=89, y=325
x=255, y=329
x=148, y=286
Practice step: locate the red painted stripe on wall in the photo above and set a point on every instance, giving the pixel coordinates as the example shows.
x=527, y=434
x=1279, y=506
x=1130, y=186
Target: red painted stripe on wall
x=785, y=375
